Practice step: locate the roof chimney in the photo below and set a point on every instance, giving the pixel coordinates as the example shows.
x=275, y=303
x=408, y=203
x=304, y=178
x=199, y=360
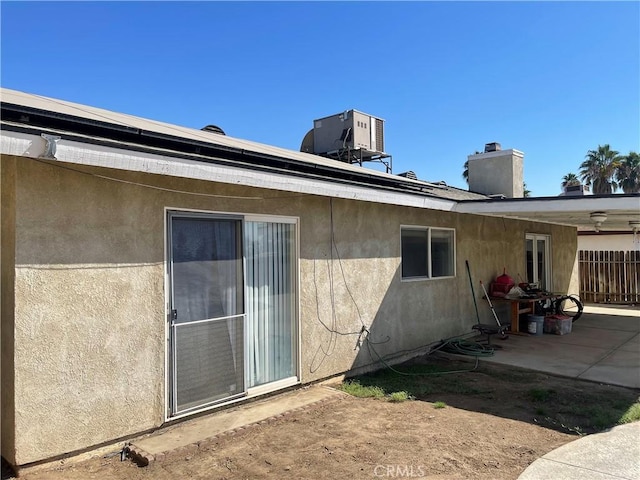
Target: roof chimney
x=497, y=172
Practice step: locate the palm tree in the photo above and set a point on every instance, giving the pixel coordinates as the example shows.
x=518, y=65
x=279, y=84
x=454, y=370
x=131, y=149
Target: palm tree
x=628, y=173
x=465, y=172
x=525, y=191
x=569, y=180
x=599, y=168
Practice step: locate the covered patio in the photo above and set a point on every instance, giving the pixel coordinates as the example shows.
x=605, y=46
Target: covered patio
x=604, y=347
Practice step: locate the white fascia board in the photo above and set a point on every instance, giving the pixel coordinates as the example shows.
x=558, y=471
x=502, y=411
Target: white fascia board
x=80, y=153
x=560, y=204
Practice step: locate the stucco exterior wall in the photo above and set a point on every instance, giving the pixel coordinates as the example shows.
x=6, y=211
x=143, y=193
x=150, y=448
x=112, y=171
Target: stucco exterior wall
x=89, y=312
x=90, y=320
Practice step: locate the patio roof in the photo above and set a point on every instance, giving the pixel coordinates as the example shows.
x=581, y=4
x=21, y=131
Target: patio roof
x=620, y=209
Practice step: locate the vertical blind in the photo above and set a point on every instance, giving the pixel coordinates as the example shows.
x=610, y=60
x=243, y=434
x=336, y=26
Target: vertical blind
x=269, y=250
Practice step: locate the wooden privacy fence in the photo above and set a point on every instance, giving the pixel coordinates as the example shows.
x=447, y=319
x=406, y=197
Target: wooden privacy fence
x=609, y=276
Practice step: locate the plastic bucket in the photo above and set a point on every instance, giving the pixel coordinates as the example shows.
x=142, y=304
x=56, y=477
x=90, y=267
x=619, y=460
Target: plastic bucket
x=535, y=324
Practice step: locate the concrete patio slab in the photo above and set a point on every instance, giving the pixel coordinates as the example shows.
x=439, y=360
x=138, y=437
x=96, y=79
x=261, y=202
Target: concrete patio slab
x=537, y=353
x=608, y=455
x=619, y=368
x=604, y=346
x=189, y=436
x=632, y=345
x=591, y=336
x=630, y=324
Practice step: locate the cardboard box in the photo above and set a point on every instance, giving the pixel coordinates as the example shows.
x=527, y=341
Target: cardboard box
x=557, y=324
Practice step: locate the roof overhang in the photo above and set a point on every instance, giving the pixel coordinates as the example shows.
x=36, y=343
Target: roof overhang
x=96, y=152
x=33, y=113
x=96, y=137
x=93, y=128
x=620, y=209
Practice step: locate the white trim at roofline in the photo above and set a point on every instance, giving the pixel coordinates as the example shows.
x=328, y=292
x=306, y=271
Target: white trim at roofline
x=79, y=153
x=548, y=204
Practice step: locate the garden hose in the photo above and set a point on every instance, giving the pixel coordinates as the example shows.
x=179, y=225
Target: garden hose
x=465, y=347
x=451, y=345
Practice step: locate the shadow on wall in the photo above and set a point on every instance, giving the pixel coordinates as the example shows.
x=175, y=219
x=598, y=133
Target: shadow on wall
x=427, y=313
x=360, y=310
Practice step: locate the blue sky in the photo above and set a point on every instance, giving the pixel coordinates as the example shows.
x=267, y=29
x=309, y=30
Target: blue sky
x=551, y=79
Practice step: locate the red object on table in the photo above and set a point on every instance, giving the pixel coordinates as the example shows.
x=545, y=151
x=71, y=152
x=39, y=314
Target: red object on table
x=502, y=285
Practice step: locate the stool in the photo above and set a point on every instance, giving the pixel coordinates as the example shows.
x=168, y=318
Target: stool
x=489, y=329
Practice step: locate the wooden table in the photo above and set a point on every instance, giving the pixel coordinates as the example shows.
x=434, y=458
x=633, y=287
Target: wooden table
x=521, y=305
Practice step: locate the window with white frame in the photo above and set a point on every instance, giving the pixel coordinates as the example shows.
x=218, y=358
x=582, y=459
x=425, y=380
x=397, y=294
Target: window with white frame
x=427, y=252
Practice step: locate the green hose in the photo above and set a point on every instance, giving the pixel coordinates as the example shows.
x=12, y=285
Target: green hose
x=464, y=347
x=452, y=345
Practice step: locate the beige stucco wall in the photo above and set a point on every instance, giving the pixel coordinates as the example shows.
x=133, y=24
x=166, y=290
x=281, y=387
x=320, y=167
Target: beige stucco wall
x=88, y=313
x=90, y=303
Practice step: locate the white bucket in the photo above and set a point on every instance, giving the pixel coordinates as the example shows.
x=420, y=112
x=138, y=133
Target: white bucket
x=535, y=324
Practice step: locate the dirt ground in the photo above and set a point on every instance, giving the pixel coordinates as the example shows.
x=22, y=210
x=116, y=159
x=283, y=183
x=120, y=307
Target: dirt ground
x=493, y=426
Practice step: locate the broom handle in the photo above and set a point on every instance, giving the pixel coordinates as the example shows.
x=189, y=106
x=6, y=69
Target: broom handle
x=490, y=304
x=473, y=293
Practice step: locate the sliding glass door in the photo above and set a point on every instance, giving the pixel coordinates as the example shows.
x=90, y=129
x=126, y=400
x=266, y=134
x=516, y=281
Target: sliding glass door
x=232, y=322
x=207, y=315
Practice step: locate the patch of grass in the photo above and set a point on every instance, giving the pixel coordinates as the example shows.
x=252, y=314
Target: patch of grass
x=631, y=415
x=600, y=416
x=422, y=380
x=567, y=405
x=362, y=391
x=439, y=405
x=399, y=397
x=603, y=418
x=541, y=394
x=357, y=389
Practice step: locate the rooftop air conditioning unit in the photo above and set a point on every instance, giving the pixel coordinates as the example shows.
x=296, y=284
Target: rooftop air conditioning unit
x=576, y=190
x=349, y=130
x=410, y=174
